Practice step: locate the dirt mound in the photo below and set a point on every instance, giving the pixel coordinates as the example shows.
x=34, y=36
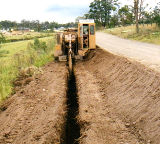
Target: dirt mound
x=36, y=113
x=128, y=91
x=98, y=124
x=26, y=76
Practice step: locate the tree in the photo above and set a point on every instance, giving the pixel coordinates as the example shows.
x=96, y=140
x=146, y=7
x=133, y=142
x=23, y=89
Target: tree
x=139, y=9
x=114, y=21
x=95, y=12
x=126, y=16
x=2, y=38
x=157, y=14
x=107, y=7
x=7, y=24
x=35, y=25
x=101, y=11
x=147, y=18
x=136, y=7
x=80, y=17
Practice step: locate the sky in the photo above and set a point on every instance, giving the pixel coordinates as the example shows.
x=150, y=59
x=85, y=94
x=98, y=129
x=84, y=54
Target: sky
x=61, y=11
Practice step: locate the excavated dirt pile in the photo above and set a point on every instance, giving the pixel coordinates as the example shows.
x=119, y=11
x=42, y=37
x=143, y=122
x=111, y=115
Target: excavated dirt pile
x=119, y=101
x=36, y=113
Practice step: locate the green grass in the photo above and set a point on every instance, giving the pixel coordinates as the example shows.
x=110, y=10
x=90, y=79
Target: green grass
x=27, y=36
x=20, y=55
x=148, y=33
x=16, y=47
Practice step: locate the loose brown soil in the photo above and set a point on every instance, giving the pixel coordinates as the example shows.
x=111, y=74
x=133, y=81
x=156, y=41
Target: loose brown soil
x=115, y=100
x=98, y=125
x=36, y=113
x=118, y=101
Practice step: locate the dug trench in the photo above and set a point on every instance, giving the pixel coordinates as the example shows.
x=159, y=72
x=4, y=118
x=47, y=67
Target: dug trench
x=72, y=127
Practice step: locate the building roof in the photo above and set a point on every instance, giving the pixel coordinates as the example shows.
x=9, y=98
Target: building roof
x=86, y=21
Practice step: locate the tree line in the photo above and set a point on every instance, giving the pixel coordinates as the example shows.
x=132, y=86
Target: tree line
x=109, y=13
x=35, y=25
x=106, y=13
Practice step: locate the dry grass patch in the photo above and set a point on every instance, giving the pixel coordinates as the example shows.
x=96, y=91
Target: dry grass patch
x=148, y=33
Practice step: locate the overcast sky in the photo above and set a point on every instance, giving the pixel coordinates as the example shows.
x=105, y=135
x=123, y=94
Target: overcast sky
x=61, y=11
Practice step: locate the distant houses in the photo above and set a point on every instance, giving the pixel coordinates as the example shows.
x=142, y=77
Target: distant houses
x=19, y=31
x=5, y=32
x=59, y=29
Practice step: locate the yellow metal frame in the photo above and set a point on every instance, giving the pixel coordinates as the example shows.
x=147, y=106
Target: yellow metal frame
x=92, y=42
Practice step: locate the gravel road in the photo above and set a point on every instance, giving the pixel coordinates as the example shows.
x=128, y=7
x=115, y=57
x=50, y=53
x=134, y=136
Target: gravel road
x=148, y=54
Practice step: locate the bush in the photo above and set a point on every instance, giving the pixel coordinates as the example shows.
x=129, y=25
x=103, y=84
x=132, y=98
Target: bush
x=43, y=46
x=39, y=46
x=2, y=38
x=157, y=14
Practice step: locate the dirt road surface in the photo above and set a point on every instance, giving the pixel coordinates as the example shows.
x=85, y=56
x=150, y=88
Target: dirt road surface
x=36, y=113
x=148, y=54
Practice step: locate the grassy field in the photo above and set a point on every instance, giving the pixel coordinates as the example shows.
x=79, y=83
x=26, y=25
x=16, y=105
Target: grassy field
x=148, y=33
x=26, y=36
x=17, y=56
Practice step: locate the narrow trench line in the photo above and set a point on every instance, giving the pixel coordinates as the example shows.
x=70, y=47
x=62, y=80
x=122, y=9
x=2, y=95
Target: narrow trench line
x=72, y=128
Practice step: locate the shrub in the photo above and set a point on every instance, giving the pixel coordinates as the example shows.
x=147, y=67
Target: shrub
x=2, y=38
x=39, y=46
x=43, y=46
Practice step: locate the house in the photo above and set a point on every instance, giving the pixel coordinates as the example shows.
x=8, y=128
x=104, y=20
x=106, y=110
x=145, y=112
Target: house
x=17, y=32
